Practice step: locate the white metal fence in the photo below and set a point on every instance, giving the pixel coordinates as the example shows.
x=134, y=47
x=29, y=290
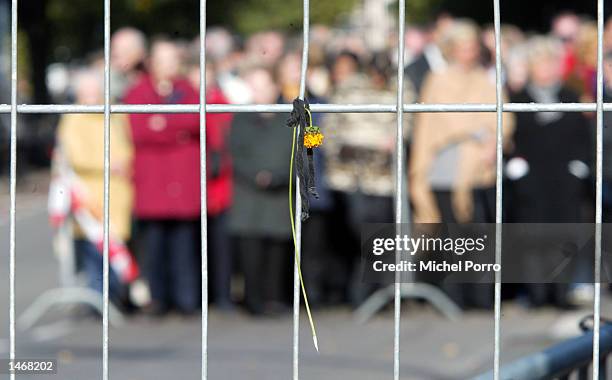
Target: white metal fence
x=401, y=190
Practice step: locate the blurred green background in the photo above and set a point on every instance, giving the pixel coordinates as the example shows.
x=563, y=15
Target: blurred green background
x=64, y=30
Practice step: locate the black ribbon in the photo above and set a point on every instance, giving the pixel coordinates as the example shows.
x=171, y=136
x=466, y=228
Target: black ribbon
x=304, y=162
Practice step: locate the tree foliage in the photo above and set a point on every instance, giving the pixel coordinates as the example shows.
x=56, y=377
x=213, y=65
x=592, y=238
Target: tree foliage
x=254, y=15
x=77, y=25
x=420, y=11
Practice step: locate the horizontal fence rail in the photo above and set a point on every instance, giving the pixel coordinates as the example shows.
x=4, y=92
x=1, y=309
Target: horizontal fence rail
x=286, y=108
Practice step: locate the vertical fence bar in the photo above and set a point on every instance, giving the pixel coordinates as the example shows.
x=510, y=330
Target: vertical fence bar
x=13, y=184
x=399, y=176
x=203, y=190
x=106, y=189
x=598, y=190
x=498, y=186
x=298, y=205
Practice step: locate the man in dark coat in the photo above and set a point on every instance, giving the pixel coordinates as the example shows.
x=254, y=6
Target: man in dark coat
x=261, y=150
x=431, y=58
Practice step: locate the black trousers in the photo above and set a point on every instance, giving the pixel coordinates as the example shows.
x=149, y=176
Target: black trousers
x=220, y=256
x=361, y=209
x=469, y=295
x=264, y=261
x=170, y=263
x=324, y=269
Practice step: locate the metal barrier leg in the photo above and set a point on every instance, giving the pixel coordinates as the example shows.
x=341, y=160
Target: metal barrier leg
x=409, y=290
x=422, y=291
x=69, y=292
x=66, y=296
x=373, y=304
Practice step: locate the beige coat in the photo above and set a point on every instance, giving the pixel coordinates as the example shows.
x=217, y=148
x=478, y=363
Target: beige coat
x=81, y=138
x=474, y=134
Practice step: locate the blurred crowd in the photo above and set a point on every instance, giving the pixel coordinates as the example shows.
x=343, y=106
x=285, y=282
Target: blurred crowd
x=155, y=158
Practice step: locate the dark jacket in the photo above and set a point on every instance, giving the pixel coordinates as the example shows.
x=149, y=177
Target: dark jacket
x=260, y=143
x=549, y=192
x=416, y=72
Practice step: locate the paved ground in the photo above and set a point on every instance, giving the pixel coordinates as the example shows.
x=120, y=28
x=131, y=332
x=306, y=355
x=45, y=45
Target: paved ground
x=246, y=348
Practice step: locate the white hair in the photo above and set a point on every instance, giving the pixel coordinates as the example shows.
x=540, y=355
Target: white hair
x=543, y=47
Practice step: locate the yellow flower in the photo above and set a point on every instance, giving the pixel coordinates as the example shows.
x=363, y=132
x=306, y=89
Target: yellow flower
x=313, y=139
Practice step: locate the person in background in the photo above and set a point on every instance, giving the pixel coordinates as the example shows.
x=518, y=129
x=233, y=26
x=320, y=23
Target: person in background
x=259, y=218
x=344, y=67
x=222, y=50
x=607, y=37
x=166, y=180
x=219, y=184
x=128, y=53
x=266, y=47
x=360, y=150
x=510, y=37
x=431, y=58
x=415, y=41
x=583, y=79
x=517, y=68
x=566, y=26
x=81, y=144
x=453, y=156
x=548, y=168
x=318, y=77
x=288, y=76
x=607, y=140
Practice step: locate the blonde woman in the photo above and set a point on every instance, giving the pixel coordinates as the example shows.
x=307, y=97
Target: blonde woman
x=452, y=168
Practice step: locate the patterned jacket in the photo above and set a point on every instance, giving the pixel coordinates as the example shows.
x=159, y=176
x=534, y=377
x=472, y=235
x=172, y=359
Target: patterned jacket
x=360, y=147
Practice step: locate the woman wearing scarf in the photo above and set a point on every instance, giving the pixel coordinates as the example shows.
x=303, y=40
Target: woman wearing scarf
x=452, y=167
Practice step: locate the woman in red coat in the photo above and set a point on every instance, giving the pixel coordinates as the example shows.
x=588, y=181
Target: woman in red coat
x=167, y=181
